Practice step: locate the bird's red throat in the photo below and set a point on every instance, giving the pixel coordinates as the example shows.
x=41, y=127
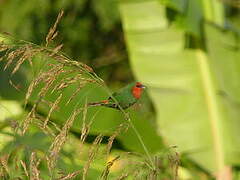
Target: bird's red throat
x=136, y=92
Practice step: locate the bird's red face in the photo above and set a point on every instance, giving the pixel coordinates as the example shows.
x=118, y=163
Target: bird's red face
x=137, y=90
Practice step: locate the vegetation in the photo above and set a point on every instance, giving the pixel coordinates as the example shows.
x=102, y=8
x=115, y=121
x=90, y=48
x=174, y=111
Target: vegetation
x=185, y=126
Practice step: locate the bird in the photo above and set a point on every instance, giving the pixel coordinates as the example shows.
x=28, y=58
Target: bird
x=124, y=98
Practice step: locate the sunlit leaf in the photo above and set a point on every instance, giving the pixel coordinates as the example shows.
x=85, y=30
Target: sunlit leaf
x=183, y=85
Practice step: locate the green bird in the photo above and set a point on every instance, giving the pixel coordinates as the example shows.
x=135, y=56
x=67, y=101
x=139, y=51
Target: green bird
x=125, y=97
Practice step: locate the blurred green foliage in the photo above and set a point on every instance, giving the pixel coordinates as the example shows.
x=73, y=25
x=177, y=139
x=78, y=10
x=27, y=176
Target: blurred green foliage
x=90, y=31
x=188, y=51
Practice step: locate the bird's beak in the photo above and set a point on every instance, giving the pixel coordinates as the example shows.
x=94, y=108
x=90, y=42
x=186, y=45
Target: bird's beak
x=143, y=87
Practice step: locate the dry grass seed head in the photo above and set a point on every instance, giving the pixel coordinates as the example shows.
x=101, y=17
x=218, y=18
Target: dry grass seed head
x=10, y=56
x=77, y=77
x=153, y=175
x=80, y=86
x=4, y=47
x=27, y=54
x=81, y=67
x=24, y=168
x=44, y=77
x=34, y=163
x=27, y=121
x=92, y=153
x=1, y=58
x=14, y=86
x=31, y=87
x=55, y=126
x=4, y=163
x=60, y=140
x=40, y=78
x=14, y=124
x=107, y=169
x=47, y=78
x=53, y=107
x=123, y=176
x=174, y=163
x=50, y=131
x=86, y=126
x=39, y=123
x=23, y=52
x=84, y=130
x=122, y=127
x=64, y=83
x=52, y=31
x=50, y=76
x=56, y=50
x=69, y=176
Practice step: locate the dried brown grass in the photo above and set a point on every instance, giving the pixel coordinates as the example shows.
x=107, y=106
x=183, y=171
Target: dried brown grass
x=105, y=173
x=4, y=164
x=59, y=141
x=85, y=127
x=54, y=106
x=34, y=171
x=24, y=168
x=91, y=155
x=69, y=176
x=53, y=30
x=120, y=129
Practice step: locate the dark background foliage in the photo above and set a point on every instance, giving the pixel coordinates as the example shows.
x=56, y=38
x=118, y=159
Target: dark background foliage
x=90, y=31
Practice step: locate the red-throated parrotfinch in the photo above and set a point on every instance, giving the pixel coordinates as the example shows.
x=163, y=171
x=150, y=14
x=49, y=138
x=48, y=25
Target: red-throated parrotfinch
x=125, y=97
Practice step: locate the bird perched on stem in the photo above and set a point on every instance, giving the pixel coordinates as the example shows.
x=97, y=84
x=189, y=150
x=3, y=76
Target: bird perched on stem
x=124, y=98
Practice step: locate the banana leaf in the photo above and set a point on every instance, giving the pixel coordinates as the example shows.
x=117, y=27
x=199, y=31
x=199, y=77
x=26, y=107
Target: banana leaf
x=195, y=94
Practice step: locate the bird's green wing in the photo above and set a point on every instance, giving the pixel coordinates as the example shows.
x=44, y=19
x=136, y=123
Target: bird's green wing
x=124, y=97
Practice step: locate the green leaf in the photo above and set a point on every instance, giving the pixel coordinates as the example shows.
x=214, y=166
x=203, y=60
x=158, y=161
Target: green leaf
x=184, y=85
x=194, y=17
x=27, y=141
x=105, y=120
x=223, y=48
x=214, y=11
x=9, y=109
x=12, y=86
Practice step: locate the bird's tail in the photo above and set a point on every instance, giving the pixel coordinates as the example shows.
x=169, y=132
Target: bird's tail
x=101, y=103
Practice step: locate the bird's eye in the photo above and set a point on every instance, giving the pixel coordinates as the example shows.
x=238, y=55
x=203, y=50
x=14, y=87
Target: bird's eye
x=139, y=85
